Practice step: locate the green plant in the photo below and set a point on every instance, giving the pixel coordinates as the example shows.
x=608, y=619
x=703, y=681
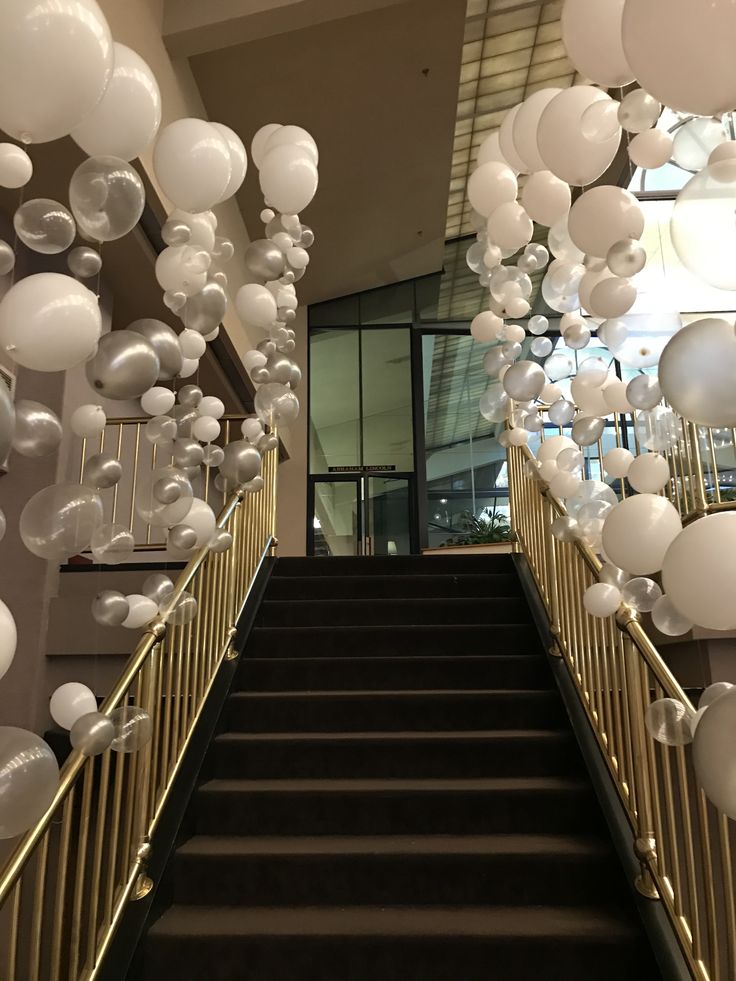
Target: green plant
x=486, y=528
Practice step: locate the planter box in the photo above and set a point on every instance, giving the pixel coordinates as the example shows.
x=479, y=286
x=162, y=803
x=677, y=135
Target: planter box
x=496, y=548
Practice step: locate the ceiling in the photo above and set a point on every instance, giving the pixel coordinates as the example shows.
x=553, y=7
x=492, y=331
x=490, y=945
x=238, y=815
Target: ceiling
x=378, y=91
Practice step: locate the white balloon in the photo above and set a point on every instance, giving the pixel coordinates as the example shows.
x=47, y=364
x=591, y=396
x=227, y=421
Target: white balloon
x=560, y=243
x=491, y=185
x=256, y=305
x=724, y=151
x=651, y=149
x=614, y=395
x=510, y=226
x=191, y=160
x=70, y=702
x=702, y=227
x=252, y=430
x=211, y=406
x=617, y=461
x=157, y=400
x=612, y=297
x=601, y=599
x=546, y=199
x=695, y=142
x=506, y=141
x=200, y=518
x=188, y=367
x=525, y=125
x=591, y=33
x=552, y=447
x=179, y=269
x=126, y=119
x=141, y=611
x=697, y=370
x=238, y=159
x=490, y=149
x=56, y=60
x=688, y=65
x=638, y=531
x=192, y=344
x=293, y=136
x=8, y=638
x=562, y=146
x=288, y=178
x=649, y=473
x=603, y=216
x=715, y=764
x=486, y=327
x=590, y=398
x=698, y=571
x=670, y=621
x=88, y=420
x=200, y=226
x=259, y=141
x=16, y=168
x=49, y=322
x=205, y=429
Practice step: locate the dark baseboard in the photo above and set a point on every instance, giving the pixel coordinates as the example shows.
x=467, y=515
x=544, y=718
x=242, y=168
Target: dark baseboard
x=123, y=958
x=662, y=937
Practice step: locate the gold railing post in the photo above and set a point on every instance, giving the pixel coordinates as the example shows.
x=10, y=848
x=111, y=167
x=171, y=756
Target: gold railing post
x=553, y=598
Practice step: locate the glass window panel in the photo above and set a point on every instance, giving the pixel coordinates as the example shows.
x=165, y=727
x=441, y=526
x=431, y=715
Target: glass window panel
x=335, y=519
x=334, y=390
x=388, y=434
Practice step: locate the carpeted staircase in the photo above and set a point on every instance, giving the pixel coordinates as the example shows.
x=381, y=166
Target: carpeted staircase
x=396, y=795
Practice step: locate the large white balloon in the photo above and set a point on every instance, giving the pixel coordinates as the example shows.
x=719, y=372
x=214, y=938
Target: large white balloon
x=603, y=216
x=491, y=185
x=525, y=125
x=562, y=146
x=510, y=226
x=591, y=33
x=506, y=141
x=126, y=119
x=545, y=198
x=713, y=756
x=702, y=226
x=288, y=178
x=697, y=371
x=682, y=52
x=191, y=160
x=49, y=322
x=8, y=638
x=238, y=159
x=490, y=149
x=638, y=531
x=699, y=569
x=56, y=60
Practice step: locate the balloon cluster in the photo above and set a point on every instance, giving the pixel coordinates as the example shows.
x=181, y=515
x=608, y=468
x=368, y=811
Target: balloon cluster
x=556, y=140
x=110, y=104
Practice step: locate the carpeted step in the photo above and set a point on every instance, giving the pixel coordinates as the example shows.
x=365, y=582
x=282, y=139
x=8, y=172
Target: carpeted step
x=477, y=943
x=360, y=612
x=394, y=565
x=400, y=639
x=393, y=870
x=539, y=805
x=329, y=755
x=521, y=671
x=392, y=586
x=390, y=711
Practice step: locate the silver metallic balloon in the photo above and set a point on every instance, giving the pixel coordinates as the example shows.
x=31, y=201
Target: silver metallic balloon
x=84, y=262
x=255, y=485
x=92, y=733
x=154, y=512
x=577, y=337
x=175, y=232
x=107, y=198
x=59, y=521
x=221, y=541
x=112, y=544
x=29, y=778
x=110, y=608
x=187, y=453
x=157, y=587
x=166, y=490
x=565, y=529
x=204, y=311
x=306, y=239
x=213, y=455
x=279, y=368
x=125, y=366
x=587, y=430
x=103, y=470
x=276, y=405
x=7, y=258
x=185, y=416
x=3, y=525
x=161, y=429
x=183, y=537
x=37, y=429
x=133, y=728
x=264, y=259
x=241, y=462
x=626, y=258
x=45, y=226
x=266, y=443
x=190, y=396
x=164, y=342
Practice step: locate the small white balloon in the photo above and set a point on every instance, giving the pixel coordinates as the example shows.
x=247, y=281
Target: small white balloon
x=211, y=406
x=617, y=462
x=651, y=149
x=157, y=400
x=88, y=420
x=601, y=599
x=8, y=632
x=649, y=473
x=16, y=168
x=206, y=429
x=71, y=701
x=192, y=344
x=141, y=611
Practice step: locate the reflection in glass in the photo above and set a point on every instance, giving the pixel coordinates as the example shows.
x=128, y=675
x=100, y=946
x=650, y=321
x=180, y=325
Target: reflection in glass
x=388, y=434
x=334, y=399
x=336, y=518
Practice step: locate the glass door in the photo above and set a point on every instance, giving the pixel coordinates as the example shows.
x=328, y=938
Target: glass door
x=337, y=517
x=388, y=504
x=361, y=514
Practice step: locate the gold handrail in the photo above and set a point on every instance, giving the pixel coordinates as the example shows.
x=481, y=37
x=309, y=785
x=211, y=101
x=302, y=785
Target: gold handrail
x=683, y=844
x=67, y=883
